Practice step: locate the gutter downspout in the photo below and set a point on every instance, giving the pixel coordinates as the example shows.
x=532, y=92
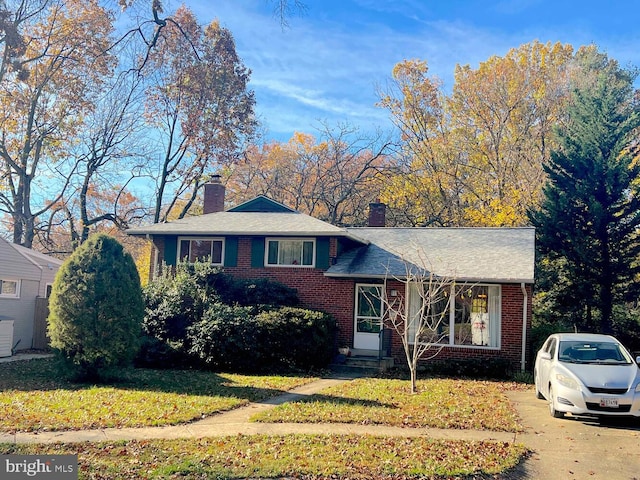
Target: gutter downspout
x=524, y=326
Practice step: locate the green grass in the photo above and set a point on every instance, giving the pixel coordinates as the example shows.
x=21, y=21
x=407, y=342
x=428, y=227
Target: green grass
x=33, y=397
x=440, y=403
x=296, y=456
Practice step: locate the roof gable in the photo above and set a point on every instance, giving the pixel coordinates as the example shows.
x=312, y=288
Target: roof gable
x=22, y=263
x=262, y=204
x=260, y=216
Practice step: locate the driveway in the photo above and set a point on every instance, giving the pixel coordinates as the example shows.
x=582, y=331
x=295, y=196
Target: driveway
x=576, y=447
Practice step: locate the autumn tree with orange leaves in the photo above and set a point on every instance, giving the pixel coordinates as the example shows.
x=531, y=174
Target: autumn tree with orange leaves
x=200, y=106
x=474, y=157
x=49, y=74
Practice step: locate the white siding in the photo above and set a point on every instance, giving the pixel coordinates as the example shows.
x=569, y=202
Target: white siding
x=21, y=311
x=33, y=271
x=14, y=266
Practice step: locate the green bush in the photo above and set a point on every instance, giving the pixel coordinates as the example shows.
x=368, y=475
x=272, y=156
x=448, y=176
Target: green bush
x=297, y=337
x=238, y=338
x=250, y=292
x=260, y=291
x=176, y=299
x=178, y=302
x=226, y=338
x=96, y=309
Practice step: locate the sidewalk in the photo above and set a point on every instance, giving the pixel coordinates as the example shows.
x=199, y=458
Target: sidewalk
x=24, y=356
x=235, y=422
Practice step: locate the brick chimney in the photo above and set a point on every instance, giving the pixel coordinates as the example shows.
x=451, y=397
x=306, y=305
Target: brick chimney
x=213, y=195
x=377, y=214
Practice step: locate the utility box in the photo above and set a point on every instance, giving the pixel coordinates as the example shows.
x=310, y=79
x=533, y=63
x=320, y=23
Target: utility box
x=6, y=337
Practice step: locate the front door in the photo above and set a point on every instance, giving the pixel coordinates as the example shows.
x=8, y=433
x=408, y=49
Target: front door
x=368, y=317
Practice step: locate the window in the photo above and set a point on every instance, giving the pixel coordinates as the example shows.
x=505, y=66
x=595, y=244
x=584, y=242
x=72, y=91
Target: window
x=201, y=249
x=9, y=288
x=290, y=252
x=593, y=352
x=550, y=348
x=470, y=315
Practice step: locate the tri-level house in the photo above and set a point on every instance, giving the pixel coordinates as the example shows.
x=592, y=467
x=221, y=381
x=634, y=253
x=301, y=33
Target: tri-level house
x=352, y=273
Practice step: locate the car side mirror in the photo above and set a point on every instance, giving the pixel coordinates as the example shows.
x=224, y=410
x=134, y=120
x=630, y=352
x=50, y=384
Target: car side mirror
x=638, y=359
x=547, y=356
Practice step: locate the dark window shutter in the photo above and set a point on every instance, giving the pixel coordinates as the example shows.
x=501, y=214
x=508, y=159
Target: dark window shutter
x=322, y=253
x=231, y=252
x=171, y=250
x=257, y=252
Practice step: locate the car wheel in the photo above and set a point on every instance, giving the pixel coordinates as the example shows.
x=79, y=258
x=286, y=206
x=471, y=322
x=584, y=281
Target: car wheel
x=539, y=395
x=552, y=405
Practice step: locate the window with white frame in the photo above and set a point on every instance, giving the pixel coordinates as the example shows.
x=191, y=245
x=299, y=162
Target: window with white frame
x=201, y=250
x=290, y=252
x=470, y=315
x=9, y=288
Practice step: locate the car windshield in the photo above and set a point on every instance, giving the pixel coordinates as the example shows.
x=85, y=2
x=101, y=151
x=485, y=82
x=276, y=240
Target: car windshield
x=592, y=352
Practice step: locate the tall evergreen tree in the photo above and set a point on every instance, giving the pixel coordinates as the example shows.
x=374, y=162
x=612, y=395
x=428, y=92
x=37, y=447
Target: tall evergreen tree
x=590, y=215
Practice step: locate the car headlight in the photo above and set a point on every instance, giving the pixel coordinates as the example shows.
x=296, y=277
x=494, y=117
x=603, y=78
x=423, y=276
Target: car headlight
x=637, y=390
x=566, y=381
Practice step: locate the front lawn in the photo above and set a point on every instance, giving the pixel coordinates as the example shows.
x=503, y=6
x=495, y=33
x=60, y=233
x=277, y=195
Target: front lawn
x=440, y=403
x=34, y=398
x=286, y=456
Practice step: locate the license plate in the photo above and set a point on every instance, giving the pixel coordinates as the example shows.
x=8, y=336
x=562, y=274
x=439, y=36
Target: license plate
x=609, y=402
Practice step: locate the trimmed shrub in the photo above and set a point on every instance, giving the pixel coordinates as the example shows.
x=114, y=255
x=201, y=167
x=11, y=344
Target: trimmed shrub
x=182, y=297
x=297, y=337
x=260, y=291
x=237, y=339
x=96, y=309
x=226, y=338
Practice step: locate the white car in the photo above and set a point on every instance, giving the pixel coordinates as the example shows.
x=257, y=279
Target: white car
x=587, y=374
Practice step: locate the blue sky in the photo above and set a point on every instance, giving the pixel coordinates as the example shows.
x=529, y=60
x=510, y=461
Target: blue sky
x=326, y=66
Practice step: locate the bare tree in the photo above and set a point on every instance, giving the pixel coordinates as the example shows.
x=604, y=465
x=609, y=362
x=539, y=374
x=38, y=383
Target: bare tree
x=333, y=178
x=420, y=317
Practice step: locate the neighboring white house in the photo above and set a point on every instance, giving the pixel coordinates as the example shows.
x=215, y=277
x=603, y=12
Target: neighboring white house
x=24, y=276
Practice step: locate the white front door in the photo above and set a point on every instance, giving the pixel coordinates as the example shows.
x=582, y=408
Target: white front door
x=368, y=317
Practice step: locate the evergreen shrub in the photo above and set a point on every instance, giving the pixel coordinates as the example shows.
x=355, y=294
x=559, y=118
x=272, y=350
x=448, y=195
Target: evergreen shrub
x=96, y=309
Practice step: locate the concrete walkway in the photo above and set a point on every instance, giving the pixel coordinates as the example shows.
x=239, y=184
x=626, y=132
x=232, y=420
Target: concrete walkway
x=24, y=356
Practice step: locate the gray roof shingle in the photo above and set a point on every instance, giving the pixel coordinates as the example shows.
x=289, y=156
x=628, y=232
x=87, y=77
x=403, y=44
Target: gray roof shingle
x=244, y=223
x=470, y=254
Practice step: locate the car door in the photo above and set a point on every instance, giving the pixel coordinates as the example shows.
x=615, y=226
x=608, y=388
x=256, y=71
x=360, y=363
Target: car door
x=545, y=364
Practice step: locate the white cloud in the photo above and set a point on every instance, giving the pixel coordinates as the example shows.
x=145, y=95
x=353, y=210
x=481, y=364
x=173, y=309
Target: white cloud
x=328, y=63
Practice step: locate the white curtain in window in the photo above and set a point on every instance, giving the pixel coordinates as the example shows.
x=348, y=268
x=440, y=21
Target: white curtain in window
x=290, y=252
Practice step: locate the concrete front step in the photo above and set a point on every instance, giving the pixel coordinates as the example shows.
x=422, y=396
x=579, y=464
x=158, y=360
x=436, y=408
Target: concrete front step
x=364, y=365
